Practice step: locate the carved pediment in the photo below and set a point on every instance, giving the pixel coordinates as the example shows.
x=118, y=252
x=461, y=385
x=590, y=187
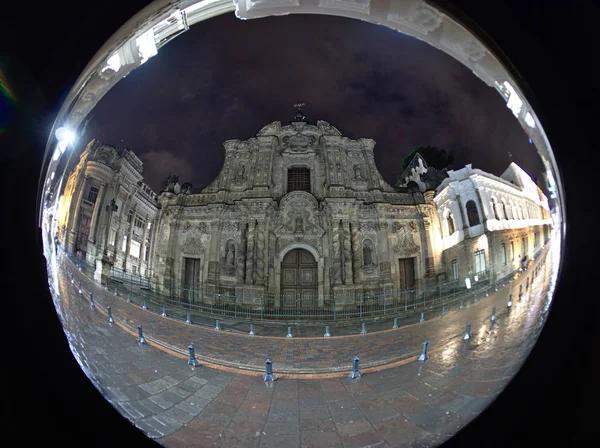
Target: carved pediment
x=405, y=243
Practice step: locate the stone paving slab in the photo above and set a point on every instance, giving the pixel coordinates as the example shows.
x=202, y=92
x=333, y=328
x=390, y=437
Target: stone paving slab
x=313, y=355
x=414, y=404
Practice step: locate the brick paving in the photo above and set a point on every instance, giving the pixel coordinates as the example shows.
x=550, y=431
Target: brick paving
x=308, y=355
x=415, y=404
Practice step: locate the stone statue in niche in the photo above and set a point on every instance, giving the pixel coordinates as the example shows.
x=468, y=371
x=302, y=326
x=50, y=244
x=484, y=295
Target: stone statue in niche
x=339, y=167
x=367, y=253
x=357, y=175
x=240, y=173
x=299, y=225
x=230, y=253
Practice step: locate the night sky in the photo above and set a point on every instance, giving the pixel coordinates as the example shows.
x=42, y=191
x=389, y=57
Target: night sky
x=226, y=78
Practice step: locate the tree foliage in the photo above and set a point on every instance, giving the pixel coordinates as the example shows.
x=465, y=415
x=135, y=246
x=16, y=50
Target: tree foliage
x=435, y=157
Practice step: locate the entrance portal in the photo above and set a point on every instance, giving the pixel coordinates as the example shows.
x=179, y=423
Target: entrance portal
x=191, y=280
x=298, y=279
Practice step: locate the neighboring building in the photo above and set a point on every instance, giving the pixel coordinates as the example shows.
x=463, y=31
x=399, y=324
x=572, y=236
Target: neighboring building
x=489, y=223
x=300, y=212
x=107, y=212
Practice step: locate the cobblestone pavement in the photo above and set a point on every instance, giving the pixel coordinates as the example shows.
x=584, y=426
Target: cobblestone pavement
x=415, y=404
x=311, y=355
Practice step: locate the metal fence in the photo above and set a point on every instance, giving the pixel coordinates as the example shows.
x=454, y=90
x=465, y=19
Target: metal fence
x=224, y=302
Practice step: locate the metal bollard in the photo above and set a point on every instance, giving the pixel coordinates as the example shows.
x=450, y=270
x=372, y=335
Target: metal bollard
x=192, y=361
x=268, y=376
x=487, y=292
x=395, y=323
x=355, y=373
x=509, y=304
x=475, y=298
x=327, y=333
x=461, y=305
x=443, y=310
x=251, y=332
x=188, y=320
x=140, y=338
x=110, y=318
x=467, y=335
x=164, y=314
x=493, y=318
x=424, y=356
x=80, y=291
x=364, y=330
x=217, y=327
x=144, y=306
x=128, y=299
x=289, y=333
x=422, y=317
x=92, y=304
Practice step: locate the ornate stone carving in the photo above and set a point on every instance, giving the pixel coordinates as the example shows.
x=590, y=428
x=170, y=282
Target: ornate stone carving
x=105, y=154
x=299, y=216
x=327, y=129
x=270, y=129
x=404, y=238
x=194, y=239
x=298, y=143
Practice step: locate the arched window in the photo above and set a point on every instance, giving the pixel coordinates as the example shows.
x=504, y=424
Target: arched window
x=472, y=213
x=504, y=211
x=451, y=227
x=495, y=208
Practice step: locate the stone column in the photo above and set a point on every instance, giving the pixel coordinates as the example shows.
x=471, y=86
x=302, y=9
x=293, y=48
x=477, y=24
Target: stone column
x=143, y=245
x=260, y=253
x=337, y=258
x=355, y=252
x=347, y=254
x=129, y=237
x=74, y=230
x=150, y=262
x=241, y=254
x=250, y=253
x=461, y=208
x=96, y=212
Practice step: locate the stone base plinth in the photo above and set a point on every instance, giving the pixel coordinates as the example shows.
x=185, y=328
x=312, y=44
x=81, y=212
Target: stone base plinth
x=102, y=272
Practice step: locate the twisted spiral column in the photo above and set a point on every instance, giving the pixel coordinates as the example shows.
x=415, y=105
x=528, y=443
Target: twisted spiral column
x=250, y=253
x=260, y=254
x=355, y=252
x=347, y=254
x=337, y=259
x=241, y=256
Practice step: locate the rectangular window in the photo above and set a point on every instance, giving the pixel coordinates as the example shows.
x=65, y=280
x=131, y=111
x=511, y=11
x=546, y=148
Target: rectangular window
x=480, y=262
x=298, y=179
x=503, y=253
x=93, y=195
x=129, y=216
x=134, y=249
x=523, y=247
x=138, y=222
x=454, y=270
x=147, y=252
x=536, y=239
x=124, y=248
x=134, y=268
x=111, y=237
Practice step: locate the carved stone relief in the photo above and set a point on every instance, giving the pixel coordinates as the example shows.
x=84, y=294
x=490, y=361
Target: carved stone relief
x=404, y=238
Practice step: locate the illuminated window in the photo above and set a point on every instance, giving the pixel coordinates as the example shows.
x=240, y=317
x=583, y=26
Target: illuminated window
x=503, y=253
x=124, y=248
x=92, y=195
x=135, y=249
x=451, y=228
x=454, y=270
x=472, y=213
x=298, y=179
x=480, y=262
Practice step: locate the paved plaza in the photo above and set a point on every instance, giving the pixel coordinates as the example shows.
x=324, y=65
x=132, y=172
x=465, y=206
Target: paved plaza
x=224, y=402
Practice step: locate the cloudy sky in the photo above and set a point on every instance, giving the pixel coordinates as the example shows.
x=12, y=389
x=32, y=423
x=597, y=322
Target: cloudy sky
x=226, y=78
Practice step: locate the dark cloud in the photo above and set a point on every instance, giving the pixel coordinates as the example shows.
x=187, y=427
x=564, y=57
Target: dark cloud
x=227, y=78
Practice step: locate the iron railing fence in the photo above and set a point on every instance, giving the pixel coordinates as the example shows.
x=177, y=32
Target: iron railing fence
x=225, y=303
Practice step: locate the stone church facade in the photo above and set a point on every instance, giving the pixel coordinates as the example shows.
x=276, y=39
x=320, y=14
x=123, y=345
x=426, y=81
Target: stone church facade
x=298, y=211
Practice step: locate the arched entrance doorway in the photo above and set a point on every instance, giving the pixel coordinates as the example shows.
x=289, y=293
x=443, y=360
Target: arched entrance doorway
x=299, y=281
